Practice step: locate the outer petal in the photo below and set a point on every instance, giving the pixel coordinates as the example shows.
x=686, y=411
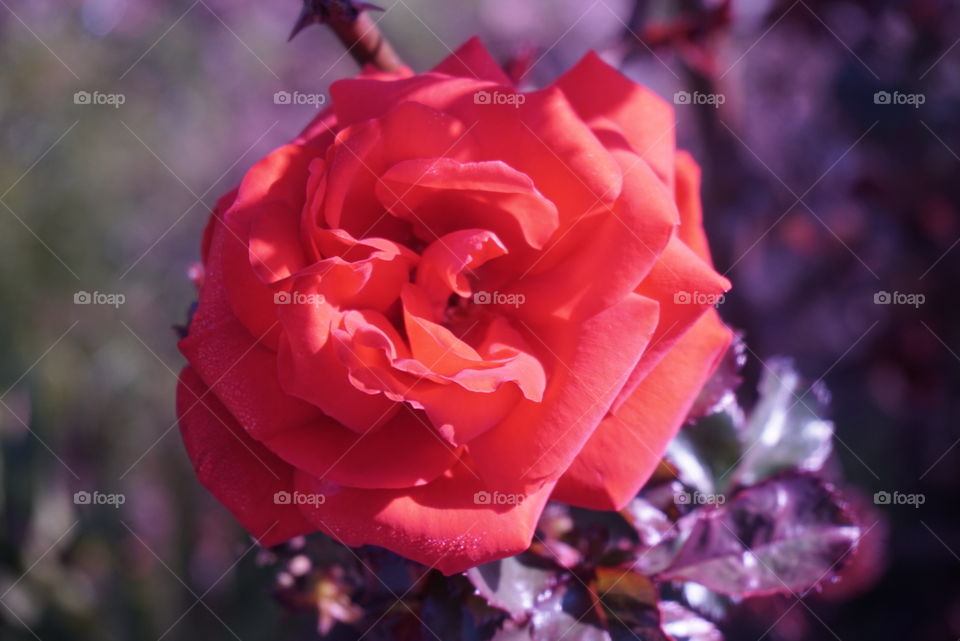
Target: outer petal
x=691, y=211
x=622, y=112
x=238, y=470
x=356, y=100
x=545, y=138
x=623, y=452
x=685, y=287
x=222, y=350
x=542, y=136
x=587, y=364
x=372, y=460
x=622, y=243
x=370, y=96
x=269, y=205
x=443, y=524
x=243, y=376
x=472, y=60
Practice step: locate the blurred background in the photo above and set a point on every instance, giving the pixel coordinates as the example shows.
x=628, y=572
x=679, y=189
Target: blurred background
x=829, y=134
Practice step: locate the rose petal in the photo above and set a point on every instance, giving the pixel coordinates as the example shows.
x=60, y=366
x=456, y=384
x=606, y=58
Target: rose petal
x=691, y=211
x=541, y=136
x=362, y=153
x=356, y=100
x=627, y=446
x=444, y=524
x=312, y=371
x=481, y=399
x=444, y=262
x=622, y=112
x=587, y=367
x=472, y=60
x=685, y=287
x=544, y=138
x=250, y=299
x=622, y=243
x=328, y=452
x=238, y=470
x=431, y=343
x=243, y=376
x=268, y=207
x=484, y=195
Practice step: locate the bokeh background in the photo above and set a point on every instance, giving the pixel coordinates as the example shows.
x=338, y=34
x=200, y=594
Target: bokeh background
x=817, y=198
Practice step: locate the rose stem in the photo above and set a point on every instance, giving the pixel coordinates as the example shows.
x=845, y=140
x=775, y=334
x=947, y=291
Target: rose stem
x=352, y=24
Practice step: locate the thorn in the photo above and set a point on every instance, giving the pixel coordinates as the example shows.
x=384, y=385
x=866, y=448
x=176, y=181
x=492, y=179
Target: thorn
x=320, y=11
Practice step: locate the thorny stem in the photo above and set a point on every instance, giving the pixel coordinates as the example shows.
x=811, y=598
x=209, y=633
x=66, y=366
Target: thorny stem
x=351, y=22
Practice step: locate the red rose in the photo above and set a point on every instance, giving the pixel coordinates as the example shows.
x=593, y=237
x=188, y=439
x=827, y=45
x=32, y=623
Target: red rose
x=447, y=302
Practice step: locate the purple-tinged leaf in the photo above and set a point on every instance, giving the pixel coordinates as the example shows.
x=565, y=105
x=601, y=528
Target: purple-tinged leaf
x=567, y=613
x=786, y=534
x=511, y=584
x=786, y=430
x=651, y=524
x=707, y=603
x=705, y=453
x=629, y=602
x=448, y=610
x=683, y=625
x=719, y=391
x=513, y=632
